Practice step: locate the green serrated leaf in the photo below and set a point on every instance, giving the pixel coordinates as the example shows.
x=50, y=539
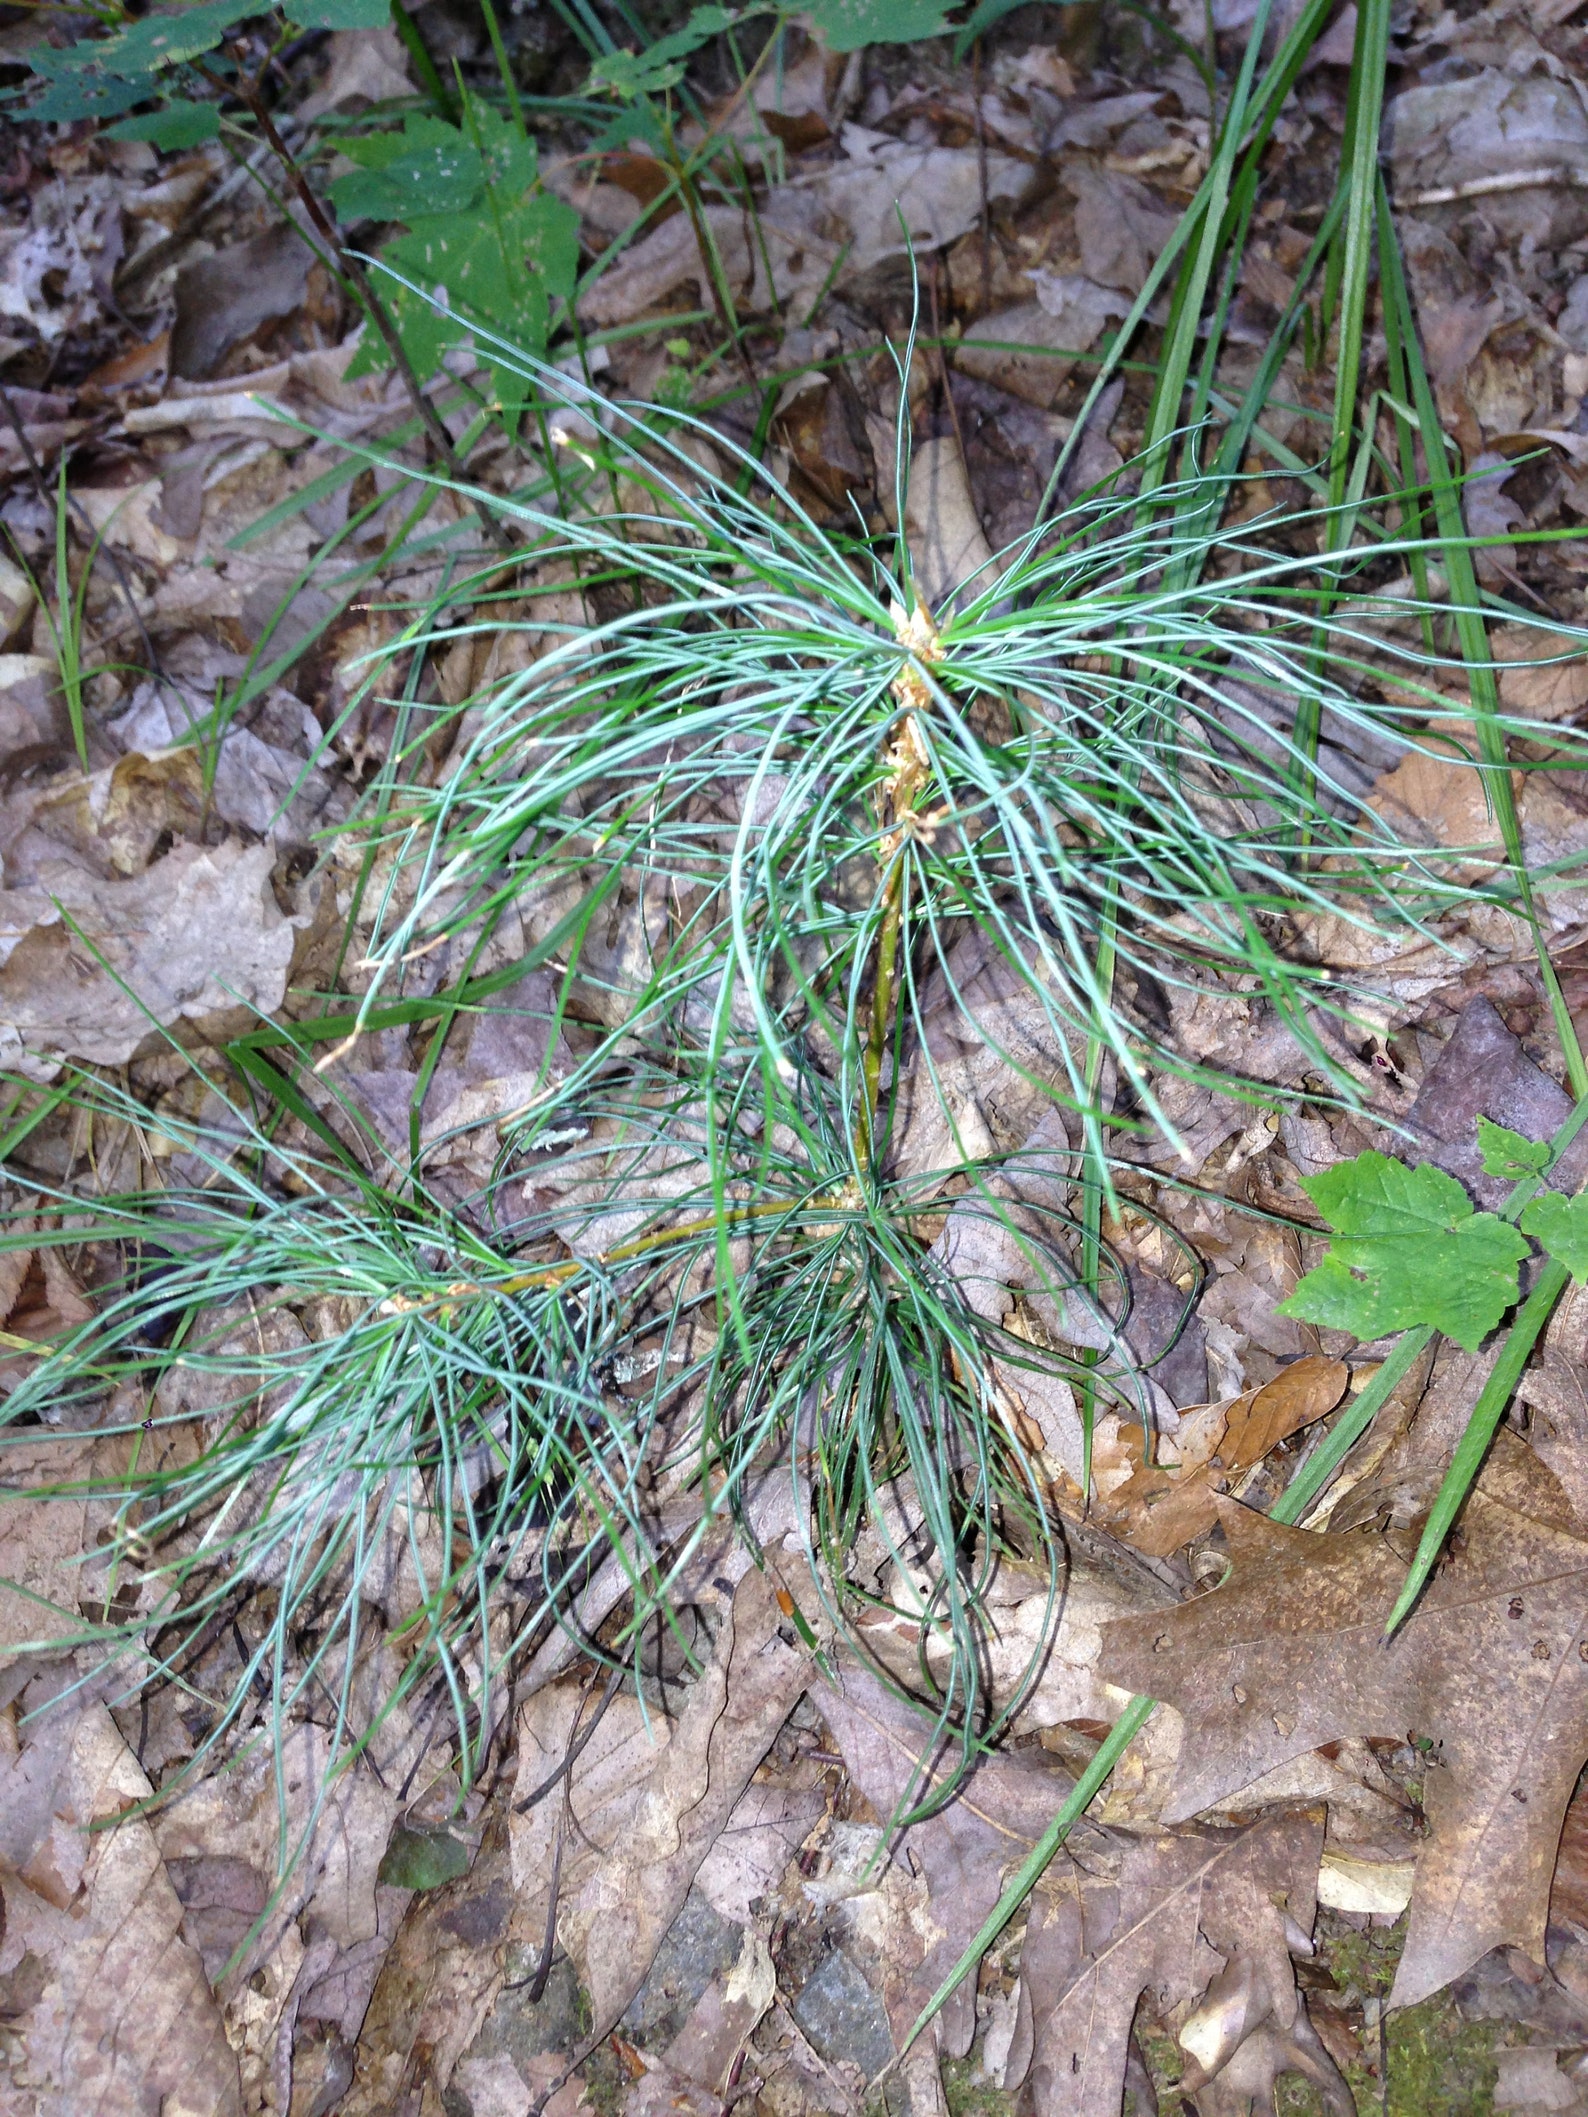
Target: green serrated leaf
x=497, y=271
x=1407, y=1249
x=438, y=176
x=166, y=40
x=88, y=95
x=1561, y=1224
x=338, y=14
x=179, y=125
x=660, y=65
x=845, y=25
x=1509, y=1154
x=423, y=1859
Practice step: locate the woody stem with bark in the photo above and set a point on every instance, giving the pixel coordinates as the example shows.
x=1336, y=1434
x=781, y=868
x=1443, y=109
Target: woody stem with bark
x=881, y=1003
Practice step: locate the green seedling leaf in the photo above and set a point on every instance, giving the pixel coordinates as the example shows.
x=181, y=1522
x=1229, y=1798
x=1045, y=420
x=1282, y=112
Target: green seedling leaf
x=1561, y=1224
x=845, y=25
x=89, y=95
x=433, y=170
x=338, y=14
x=630, y=74
x=179, y=125
x=498, y=267
x=1508, y=1154
x=423, y=1859
x=1408, y=1249
x=164, y=40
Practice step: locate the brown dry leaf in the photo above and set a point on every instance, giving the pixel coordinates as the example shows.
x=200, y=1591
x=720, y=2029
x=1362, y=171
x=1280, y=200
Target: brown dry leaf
x=695, y=2072
x=1160, y=1506
x=884, y=197
x=1548, y=678
x=650, y=1797
x=1482, y=1071
x=1147, y=1505
x=1441, y=135
x=40, y=1300
x=1068, y=316
x=197, y=932
x=123, y=2018
x=962, y=1852
x=320, y=1952
x=947, y=542
x=733, y=1712
x=1304, y=1391
x=1568, y=1896
x=1555, y=1390
x=1120, y=226
x=41, y=1544
x=224, y=298
x=1158, y=1915
x=1492, y=1668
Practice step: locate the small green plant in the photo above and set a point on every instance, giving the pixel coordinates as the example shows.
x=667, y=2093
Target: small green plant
x=489, y=249
x=1407, y=1248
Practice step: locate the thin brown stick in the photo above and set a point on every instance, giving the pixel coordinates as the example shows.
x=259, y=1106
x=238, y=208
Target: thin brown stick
x=984, y=215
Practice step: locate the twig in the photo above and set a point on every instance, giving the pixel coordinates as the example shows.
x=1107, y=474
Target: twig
x=571, y=1754
x=1486, y=186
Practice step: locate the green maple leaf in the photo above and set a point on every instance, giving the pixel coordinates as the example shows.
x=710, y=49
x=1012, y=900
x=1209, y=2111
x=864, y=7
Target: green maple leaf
x=1508, y=1153
x=427, y=168
x=1407, y=1249
x=661, y=64
x=846, y=25
x=485, y=252
x=1561, y=1224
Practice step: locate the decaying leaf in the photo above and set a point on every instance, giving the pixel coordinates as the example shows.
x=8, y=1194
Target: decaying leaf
x=91, y=967
x=41, y=1543
x=653, y=1797
x=1159, y=1506
x=963, y=1851
x=947, y=542
x=124, y=2018
x=1491, y=1671
x=1175, y=1916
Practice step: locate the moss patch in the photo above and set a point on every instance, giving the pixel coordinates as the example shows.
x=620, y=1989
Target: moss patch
x=969, y=2093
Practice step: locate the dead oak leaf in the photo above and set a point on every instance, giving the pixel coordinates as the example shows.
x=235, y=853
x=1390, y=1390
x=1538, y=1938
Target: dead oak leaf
x=963, y=1850
x=1157, y=1507
x=1491, y=1669
x=1169, y=1916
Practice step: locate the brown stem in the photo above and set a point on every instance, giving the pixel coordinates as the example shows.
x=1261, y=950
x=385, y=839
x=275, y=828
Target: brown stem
x=378, y=313
x=882, y=1001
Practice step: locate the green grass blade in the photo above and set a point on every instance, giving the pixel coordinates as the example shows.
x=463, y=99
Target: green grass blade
x=1316, y=1472
x=1456, y=553
x=1034, y=1865
x=1497, y=1391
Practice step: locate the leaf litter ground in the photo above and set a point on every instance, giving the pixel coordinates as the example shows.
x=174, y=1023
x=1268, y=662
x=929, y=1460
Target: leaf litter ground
x=689, y=1885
